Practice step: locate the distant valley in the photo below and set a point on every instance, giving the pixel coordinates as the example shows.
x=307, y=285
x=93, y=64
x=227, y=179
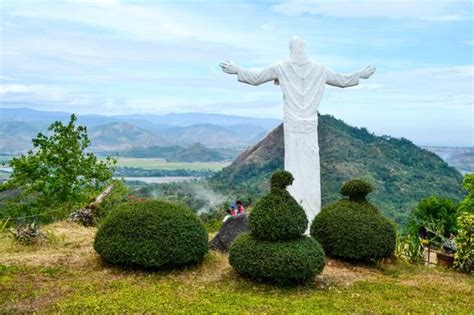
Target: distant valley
x=459, y=158
x=186, y=137
x=178, y=137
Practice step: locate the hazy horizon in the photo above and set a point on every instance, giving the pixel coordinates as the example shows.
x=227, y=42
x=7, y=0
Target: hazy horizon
x=142, y=57
x=194, y=113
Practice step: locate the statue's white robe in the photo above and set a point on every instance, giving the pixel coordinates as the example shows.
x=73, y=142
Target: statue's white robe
x=302, y=86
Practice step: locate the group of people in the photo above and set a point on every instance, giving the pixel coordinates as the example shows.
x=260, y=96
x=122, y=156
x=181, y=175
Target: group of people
x=234, y=209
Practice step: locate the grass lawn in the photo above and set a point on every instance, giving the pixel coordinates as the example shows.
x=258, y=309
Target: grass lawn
x=65, y=275
x=151, y=163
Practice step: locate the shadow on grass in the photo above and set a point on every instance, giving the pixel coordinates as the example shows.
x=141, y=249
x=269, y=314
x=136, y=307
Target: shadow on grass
x=163, y=270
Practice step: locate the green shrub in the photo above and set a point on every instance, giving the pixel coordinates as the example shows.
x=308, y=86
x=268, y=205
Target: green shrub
x=435, y=213
x=278, y=216
x=464, y=256
x=293, y=261
x=151, y=234
x=354, y=231
x=275, y=249
x=281, y=180
x=59, y=173
x=356, y=189
x=467, y=204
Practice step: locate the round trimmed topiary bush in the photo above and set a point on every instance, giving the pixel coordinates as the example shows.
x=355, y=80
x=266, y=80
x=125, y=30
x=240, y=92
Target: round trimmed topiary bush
x=354, y=230
x=151, y=234
x=292, y=261
x=275, y=249
x=278, y=216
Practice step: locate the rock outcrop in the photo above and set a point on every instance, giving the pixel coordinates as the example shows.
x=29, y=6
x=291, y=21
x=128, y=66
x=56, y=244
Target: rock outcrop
x=228, y=232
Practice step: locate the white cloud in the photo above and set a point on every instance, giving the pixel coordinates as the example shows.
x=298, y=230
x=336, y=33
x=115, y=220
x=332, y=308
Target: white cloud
x=439, y=10
x=13, y=88
x=153, y=22
x=32, y=91
x=6, y=78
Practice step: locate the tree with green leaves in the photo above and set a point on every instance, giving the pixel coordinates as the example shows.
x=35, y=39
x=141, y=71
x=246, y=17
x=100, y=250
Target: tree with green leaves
x=59, y=170
x=436, y=214
x=467, y=204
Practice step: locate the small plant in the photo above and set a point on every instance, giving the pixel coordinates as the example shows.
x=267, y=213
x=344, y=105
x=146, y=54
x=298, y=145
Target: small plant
x=409, y=248
x=28, y=234
x=4, y=224
x=464, y=256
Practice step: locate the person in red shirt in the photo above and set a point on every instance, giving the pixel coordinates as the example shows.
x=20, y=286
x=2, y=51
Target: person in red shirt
x=233, y=211
x=240, y=207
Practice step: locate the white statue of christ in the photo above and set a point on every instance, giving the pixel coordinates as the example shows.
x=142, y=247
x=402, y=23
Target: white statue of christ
x=302, y=82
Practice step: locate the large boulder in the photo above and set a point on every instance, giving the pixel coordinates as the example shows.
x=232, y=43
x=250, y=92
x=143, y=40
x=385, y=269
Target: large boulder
x=228, y=232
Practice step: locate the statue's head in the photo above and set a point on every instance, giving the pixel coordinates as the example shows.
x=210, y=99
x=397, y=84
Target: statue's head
x=296, y=43
x=297, y=49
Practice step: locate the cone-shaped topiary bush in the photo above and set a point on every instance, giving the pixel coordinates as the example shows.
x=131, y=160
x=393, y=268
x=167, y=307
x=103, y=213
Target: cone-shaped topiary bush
x=151, y=234
x=353, y=228
x=278, y=216
x=275, y=250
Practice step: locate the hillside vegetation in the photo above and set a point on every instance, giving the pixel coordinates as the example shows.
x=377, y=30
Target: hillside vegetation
x=175, y=153
x=401, y=172
x=65, y=275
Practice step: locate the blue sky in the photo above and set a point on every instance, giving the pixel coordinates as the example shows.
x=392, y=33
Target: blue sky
x=120, y=57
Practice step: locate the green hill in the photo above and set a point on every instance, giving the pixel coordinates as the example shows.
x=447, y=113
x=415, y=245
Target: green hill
x=401, y=172
x=122, y=136
x=175, y=153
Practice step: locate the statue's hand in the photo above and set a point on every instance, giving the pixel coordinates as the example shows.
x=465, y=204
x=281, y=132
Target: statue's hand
x=366, y=72
x=229, y=67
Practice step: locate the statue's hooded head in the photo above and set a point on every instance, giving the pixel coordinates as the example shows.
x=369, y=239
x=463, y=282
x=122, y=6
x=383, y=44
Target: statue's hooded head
x=298, y=51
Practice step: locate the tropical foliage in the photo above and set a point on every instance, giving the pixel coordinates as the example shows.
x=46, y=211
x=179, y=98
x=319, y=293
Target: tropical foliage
x=464, y=256
x=467, y=204
x=436, y=214
x=57, y=175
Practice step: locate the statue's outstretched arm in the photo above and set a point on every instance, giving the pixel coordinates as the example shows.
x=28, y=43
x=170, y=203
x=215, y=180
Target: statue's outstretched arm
x=250, y=76
x=347, y=80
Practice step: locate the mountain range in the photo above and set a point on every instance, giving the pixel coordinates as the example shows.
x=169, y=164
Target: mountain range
x=172, y=136
x=128, y=132
x=460, y=158
x=401, y=172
